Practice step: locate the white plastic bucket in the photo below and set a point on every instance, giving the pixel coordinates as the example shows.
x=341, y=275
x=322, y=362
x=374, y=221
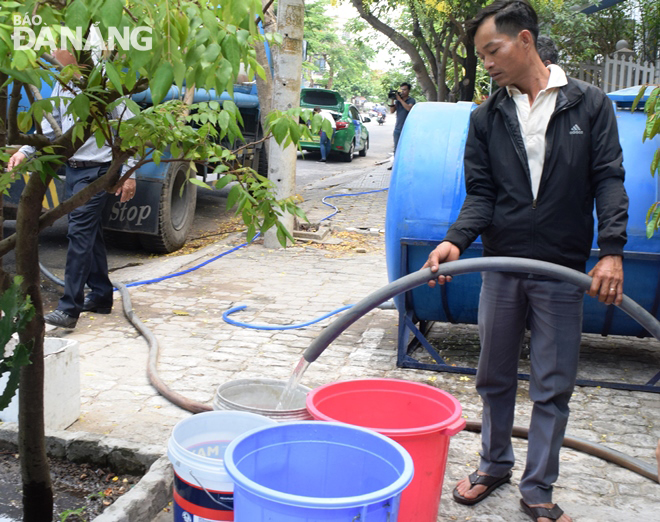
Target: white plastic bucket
x=203, y=491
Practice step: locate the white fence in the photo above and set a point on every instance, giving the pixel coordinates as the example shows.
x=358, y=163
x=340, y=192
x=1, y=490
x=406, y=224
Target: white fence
x=617, y=72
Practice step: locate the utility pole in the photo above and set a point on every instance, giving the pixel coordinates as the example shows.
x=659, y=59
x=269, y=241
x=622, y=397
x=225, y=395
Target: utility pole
x=287, y=62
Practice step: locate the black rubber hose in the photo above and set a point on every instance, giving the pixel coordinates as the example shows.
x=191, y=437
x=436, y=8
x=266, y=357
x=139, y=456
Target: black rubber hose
x=152, y=366
x=464, y=266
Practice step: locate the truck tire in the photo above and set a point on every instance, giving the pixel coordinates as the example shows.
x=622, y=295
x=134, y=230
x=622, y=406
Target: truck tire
x=176, y=212
x=262, y=163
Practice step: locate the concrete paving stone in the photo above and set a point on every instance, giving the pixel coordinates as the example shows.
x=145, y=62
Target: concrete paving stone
x=633, y=439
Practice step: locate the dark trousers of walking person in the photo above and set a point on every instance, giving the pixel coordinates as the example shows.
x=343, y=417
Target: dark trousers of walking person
x=325, y=144
x=396, y=135
x=86, y=259
x=553, y=310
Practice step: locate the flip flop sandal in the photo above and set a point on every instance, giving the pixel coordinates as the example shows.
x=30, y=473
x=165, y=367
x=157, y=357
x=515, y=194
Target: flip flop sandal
x=553, y=513
x=491, y=483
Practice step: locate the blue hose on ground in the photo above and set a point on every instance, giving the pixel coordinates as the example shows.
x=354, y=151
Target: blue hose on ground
x=343, y=195
x=225, y=317
x=192, y=269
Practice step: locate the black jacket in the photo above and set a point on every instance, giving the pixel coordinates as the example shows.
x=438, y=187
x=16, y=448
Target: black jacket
x=583, y=163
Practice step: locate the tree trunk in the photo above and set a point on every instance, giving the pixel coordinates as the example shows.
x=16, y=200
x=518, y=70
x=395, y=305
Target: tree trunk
x=468, y=83
x=37, y=487
x=331, y=73
x=4, y=278
x=286, y=95
x=265, y=87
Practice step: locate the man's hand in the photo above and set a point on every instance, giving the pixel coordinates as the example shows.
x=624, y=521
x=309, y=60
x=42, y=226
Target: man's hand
x=607, y=281
x=444, y=252
x=16, y=160
x=126, y=190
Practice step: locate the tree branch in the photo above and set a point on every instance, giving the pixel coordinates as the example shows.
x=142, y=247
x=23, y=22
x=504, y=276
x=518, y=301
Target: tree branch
x=12, y=125
x=427, y=84
x=56, y=128
x=421, y=40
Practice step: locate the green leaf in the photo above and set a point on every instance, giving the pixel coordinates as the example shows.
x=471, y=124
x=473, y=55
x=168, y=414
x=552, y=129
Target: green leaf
x=280, y=130
x=223, y=120
x=161, y=82
x=132, y=106
x=251, y=232
x=223, y=75
x=112, y=12
x=649, y=107
x=200, y=183
x=80, y=107
x=652, y=224
x=113, y=76
x=639, y=96
x=77, y=14
x=232, y=51
x=233, y=196
x=100, y=138
x=210, y=20
x=212, y=52
x=655, y=164
x=281, y=234
x=224, y=181
x=294, y=131
x=179, y=73
x=24, y=121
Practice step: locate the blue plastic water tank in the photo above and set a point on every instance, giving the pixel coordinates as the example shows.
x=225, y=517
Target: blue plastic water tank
x=427, y=190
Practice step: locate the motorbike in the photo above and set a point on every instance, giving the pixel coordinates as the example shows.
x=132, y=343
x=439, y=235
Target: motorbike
x=381, y=119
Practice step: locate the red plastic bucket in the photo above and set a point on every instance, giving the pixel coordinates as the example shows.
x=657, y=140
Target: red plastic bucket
x=419, y=417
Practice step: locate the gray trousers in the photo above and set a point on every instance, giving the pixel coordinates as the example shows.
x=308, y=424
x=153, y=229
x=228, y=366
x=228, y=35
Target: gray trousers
x=553, y=311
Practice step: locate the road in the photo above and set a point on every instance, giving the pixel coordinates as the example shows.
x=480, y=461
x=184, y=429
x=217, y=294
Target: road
x=313, y=180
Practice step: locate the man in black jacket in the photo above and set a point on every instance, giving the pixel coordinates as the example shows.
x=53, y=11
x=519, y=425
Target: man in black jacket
x=539, y=152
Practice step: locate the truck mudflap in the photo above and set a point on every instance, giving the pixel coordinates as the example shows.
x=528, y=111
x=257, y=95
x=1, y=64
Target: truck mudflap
x=140, y=214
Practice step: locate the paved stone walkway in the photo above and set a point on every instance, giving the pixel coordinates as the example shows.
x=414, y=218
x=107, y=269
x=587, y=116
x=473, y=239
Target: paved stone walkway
x=199, y=351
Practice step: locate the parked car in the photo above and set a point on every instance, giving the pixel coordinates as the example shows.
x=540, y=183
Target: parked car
x=351, y=135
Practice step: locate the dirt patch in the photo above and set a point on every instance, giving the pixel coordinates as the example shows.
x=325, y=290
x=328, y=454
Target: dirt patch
x=352, y=243
x=81, y=491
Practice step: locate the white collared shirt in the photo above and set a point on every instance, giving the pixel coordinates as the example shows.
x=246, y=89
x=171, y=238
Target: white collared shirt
x=328, y=116
x=534, y=121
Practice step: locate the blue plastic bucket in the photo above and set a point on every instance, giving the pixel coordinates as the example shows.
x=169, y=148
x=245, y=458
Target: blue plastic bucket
x=317, y=471
x=203, y=491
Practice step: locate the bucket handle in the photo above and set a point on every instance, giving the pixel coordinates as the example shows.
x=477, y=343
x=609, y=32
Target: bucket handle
x=199, y=483
x=454, y=428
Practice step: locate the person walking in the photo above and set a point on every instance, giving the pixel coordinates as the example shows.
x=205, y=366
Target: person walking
x=540, y=151
x=86, y=259
x=325, y=143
